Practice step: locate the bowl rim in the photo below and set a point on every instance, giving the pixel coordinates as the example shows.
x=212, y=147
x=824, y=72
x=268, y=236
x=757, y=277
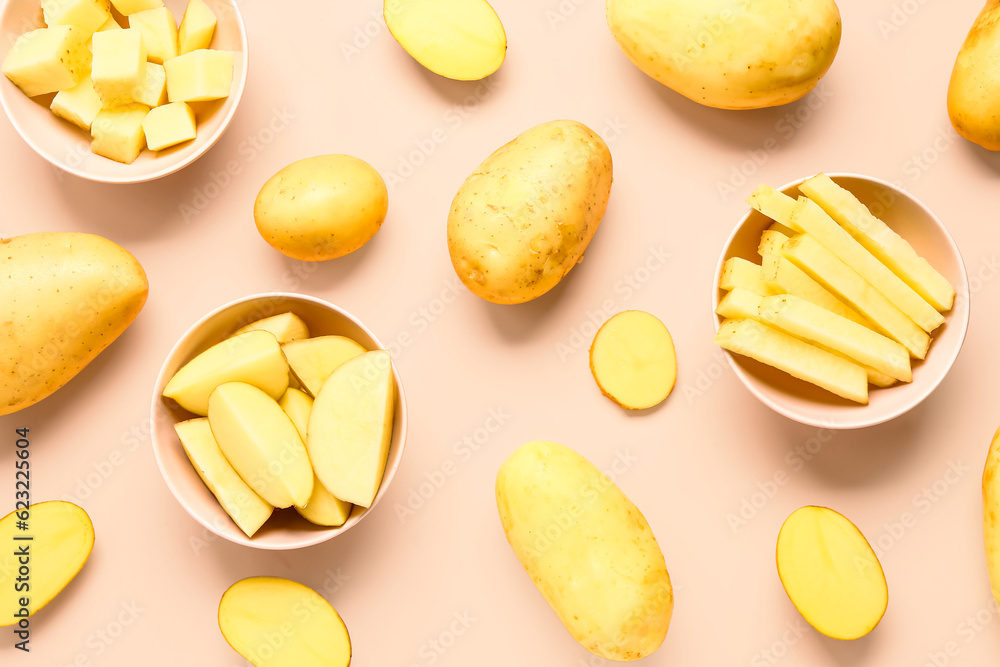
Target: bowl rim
x=321, y=533
x=961, y=289
x=235, y=97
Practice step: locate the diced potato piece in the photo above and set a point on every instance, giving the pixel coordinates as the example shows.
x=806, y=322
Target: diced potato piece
x=633, y=360
x=812, y=219
x=119, y=69
x=776, y=205
x=88, y=15
x=117, y=133
x=128, y=7
x=881, y=241
x=110, y=24
x=79, y=104
x=826, y=268
x=791, y=355
x=154, y=88
x=159, y=33
x=817, y=325
x=201, y=75
x=197, y=27
x=169, y=125
x=790, y=279
x=48, y=60
x=242, y=503
x=739, y=272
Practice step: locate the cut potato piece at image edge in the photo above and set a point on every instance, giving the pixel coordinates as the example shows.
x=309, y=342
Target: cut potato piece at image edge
x=247, y=509
x=880, y=240
x=314, y=359
x=991, y=514
x=795, y=357
x=830, y=573
x=633, y=360
x=458, y=39
x=286, y=327
x=808, y=216
x=827, y=269
x=255, y=611
x=739, y=272
x=62, y=537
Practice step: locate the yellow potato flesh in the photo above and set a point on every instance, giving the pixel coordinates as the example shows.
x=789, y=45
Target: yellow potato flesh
x=831, y=573
x=275, y=622
x=286, y=327
x=633, y=360
x=65, y=297
x=314, y=359
x=991, y=514
x=458, y=39
x=587, y=548
x=62, y=537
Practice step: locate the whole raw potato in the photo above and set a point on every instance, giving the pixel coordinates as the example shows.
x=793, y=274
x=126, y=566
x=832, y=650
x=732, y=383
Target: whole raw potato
x=64, y=297
x=730, y=54
x=974, y=87
x=321, y=207
x=524, y=217
x=588, y=549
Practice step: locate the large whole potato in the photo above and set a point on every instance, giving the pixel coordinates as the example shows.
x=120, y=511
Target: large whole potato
x=730, y=54
x=974, y=88
x=321, y=207
x=524, y=217
x=588, y=549
x=64, y=297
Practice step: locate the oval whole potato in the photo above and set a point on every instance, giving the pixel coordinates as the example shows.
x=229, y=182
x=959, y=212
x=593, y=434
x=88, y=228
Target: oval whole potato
x=525, y=216
x=64, y=297
x=321, y=207
x=588, y=549
x=974, y=87
x=730, y=54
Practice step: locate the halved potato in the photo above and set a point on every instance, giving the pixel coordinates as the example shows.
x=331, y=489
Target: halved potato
x=274, y=622
x=633, y=360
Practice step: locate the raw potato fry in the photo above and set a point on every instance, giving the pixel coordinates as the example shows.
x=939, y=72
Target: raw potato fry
x=790, y=279
x=739, y=272
x=827, y=269
x=812, y=219
x=880, y=240
x=864, y=346
x=802, y=360
x=633, y=360
x=776, y=205
x=781, y=229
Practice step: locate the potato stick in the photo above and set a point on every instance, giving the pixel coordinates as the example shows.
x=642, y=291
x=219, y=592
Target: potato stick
x=790, y=279
x=781, y=229
x=802, y=360
x=808, y=216
x=881, y=241
x=775, y=205
x=739, y=272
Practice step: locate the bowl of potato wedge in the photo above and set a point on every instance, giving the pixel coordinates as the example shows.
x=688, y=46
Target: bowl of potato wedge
x=840, y=300
x=124, y=91
x=279, y=421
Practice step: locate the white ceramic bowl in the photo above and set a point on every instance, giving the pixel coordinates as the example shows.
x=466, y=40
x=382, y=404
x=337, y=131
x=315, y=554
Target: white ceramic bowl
x=805, y=403
x=68, y=147
x=285, y=529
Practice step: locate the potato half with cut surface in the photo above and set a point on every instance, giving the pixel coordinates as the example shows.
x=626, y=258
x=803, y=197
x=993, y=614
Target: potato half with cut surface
x=458, y=39
x=62, y=537
x=275, y=622
x=633, y=360
x=830, y=573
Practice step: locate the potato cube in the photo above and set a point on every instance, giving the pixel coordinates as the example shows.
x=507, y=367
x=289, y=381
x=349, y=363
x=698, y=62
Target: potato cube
x=159, y=33
x=169, y=125
x=88, y=15
x=48, y=59
x=129, y=7
x=110, y=24
x=154, y=91
x=197, y=27
x=117, y=133
x=119, y=68
x=79, y=104
x=205, y=74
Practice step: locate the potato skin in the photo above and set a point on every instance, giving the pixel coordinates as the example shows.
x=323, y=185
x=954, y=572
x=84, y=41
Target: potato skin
x=974, y=87
x=730, y=54
x=321, y=207
x=64, y=297
x=524, y=217
x=588, y=549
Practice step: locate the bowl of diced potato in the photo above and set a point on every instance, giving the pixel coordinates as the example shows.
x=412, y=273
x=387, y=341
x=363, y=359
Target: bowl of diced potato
x=121, y=91
x=279, y=421
x=841, y=300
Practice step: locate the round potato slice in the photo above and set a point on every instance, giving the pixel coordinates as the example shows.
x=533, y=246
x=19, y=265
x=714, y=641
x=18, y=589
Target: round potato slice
x=831, y=573
x=633, y=360
x=275, y=622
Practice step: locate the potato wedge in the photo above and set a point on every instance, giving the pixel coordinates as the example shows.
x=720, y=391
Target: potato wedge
x=313, y=360
x=633, y=360
x=286, y=327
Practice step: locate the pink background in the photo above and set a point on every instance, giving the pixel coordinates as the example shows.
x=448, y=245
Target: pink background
x=328, y=78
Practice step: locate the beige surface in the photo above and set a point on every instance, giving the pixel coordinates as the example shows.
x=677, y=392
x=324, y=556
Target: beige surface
x=483, y=379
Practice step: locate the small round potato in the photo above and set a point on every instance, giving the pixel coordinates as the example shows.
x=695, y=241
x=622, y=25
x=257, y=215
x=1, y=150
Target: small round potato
x=321, y=207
